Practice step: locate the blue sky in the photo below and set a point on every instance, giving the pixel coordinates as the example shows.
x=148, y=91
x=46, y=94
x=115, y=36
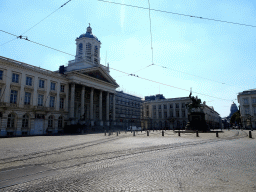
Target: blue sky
x=221, y=52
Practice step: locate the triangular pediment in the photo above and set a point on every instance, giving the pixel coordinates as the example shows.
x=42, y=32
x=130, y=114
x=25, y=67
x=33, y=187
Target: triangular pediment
x=99, y=74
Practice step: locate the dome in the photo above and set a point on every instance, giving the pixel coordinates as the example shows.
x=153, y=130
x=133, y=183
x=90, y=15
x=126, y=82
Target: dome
x=88, y=34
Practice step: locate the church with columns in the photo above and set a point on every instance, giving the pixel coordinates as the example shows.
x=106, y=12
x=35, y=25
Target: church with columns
x=35, y=101
x=90, y=84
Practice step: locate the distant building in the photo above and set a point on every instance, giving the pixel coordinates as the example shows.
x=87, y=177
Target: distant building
x=128, y=110
x=247, y=101
x=233, y=109
x=161, y=113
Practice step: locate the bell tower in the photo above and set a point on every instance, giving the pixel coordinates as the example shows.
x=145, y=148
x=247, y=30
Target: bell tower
x=88, y=48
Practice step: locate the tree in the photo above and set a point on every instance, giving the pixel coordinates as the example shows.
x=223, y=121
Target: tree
x=235, y=118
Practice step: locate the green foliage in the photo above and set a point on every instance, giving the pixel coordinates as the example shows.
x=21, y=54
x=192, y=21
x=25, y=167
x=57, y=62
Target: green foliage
x=235, y=118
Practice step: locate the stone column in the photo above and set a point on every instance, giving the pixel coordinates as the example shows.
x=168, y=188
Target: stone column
x=72, y=103
x=91, y=107
x=107, y=109
x=114, y=109
x=100, y=108
x=82, y=104
x=168, y=110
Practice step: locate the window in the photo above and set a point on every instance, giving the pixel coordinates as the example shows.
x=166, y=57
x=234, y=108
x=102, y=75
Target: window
x=80, y=50
x=11, y=121
x=183, y=113
x=245, y=101
x=15, y=78
x=27, y=98
x=1, y=75
x=177, y=105
x=53, y=86
x=177, y=114
x=25, y=120
x=61, y=103
x=165, y=107
x=159, y=106
x=0, y=94
x=246, y=110
x=165, y=114
x=254, y=100
x=171, y=114
x=29, y=81
x=41, y=83
x=62, y=88
x=13, y=98
x=171, y=106
x=160, y=115
x=183, y=105
x=52, y=99
x=95, y=54
x=40, y=100
x=88, y=51
x=254, y=110
x=50, y=122
x=60, y=122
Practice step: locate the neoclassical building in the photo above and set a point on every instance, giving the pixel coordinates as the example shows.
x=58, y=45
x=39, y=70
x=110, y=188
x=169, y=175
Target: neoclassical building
x=247, y=101
x=172, y=113
x=35, y=101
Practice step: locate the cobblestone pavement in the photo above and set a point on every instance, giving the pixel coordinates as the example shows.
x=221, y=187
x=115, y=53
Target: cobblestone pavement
x=130, y=163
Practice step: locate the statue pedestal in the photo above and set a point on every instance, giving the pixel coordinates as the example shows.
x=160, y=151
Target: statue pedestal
x=197, y=122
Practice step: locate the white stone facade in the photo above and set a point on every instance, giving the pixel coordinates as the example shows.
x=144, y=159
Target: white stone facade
x=247, y=101
x=165, y=113
x=36, y=101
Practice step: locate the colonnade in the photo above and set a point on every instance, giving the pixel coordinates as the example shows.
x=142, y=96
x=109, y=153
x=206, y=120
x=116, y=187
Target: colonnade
x=92, y=91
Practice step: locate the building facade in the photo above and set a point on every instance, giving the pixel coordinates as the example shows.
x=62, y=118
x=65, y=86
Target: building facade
x=161, y=113
x=35, y=101
x=247, y=101
x=128, y=110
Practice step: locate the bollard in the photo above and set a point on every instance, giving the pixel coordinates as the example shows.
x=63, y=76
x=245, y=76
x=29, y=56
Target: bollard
x=162, y=133
x=153, y=130
x=117, y=133
x=217, y=134
x=197, y=134
x=178, y=133
x=147, y=133
x=250, y=134
x=133, y=133
x=105, y=133
x=125, y=132
x=109, y=133
x=141, y=131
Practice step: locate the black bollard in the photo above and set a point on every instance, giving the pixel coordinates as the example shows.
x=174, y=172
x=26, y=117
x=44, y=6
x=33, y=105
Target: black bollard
x=147, y=133
x=217, y=134
x=109, y=133
x=133, y=133
x=250, y=134
x=197, y=134
x=117, y=133
x=162, y=133
x=105, y=132
x=178, y=133
x=153, y=130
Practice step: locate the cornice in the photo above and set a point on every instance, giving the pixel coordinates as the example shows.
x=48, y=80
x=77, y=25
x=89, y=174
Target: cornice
x=18, y=64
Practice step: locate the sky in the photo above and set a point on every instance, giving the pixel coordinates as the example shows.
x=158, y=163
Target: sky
x=215, y=59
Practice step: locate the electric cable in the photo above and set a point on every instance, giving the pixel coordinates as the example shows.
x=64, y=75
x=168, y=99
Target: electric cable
x=181, y=14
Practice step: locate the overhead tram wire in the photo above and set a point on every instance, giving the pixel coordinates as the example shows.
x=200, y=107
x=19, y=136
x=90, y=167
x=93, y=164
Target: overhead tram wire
x=181, y=14
x=38, y=22
x=25, y=38
x=21, y=37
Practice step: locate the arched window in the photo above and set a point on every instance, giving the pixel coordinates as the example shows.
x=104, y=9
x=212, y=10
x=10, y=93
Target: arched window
x=89, y=51
x=60, y=122
x=96, y=54
x=80, y=50
x=50, y=121
x=11, y=121
x=25, y=121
